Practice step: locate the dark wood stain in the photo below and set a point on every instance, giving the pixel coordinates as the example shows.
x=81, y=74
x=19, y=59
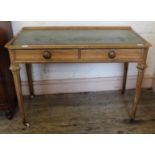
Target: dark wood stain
x=89, y=113
x=7, y=88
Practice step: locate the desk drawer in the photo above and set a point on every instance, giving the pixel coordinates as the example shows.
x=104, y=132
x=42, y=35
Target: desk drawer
x=54, y=55
x=124, y=55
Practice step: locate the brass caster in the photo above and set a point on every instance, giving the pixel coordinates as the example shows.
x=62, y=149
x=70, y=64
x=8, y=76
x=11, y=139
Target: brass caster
x=27, y=125
x=32, y=96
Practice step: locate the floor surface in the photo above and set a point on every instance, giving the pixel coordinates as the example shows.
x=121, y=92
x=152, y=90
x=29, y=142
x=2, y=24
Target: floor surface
x=93, y=112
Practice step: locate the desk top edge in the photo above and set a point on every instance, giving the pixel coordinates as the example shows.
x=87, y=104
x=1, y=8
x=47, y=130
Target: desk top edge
x=9, y=45
x=78, y=28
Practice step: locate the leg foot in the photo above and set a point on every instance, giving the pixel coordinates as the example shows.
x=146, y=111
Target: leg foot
x=26, y=124
x=122, y=92
x=132, y=120
x=32, y=96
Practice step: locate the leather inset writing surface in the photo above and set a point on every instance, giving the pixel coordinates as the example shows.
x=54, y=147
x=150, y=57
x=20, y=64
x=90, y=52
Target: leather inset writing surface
x=77, y=37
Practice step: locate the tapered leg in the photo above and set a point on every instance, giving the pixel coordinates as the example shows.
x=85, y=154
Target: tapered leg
x=30, y=82
x=124, y=77
x=16, y=75
x=141, y=69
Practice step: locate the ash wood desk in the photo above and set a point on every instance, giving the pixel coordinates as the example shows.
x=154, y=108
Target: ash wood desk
x=77, y=45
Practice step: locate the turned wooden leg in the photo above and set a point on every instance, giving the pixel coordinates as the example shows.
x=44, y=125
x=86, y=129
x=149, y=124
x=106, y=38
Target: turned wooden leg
x=141, y=69
x=30, y=82
x=124, y=77
x=16, y=75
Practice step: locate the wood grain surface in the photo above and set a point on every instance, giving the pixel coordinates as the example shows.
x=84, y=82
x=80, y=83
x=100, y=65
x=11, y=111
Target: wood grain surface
x=100, y=112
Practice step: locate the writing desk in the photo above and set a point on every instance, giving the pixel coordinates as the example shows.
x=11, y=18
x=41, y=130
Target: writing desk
x=77, y=45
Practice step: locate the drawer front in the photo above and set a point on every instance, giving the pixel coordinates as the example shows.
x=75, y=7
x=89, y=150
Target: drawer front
x=63, y=55
x=115, y=55
x=83, y=55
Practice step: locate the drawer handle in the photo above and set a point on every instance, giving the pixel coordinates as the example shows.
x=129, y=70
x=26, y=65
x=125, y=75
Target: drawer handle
x=47, y=54
x=112, y=54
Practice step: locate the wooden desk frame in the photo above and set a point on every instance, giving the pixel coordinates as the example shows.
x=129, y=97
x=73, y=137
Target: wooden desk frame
x=137, y=54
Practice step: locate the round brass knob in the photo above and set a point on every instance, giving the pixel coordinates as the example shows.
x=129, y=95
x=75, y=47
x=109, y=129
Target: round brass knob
x=112, y=54
x=47, y=54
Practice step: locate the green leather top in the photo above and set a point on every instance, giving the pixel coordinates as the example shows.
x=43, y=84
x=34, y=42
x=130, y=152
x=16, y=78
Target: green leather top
x=77, y=37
